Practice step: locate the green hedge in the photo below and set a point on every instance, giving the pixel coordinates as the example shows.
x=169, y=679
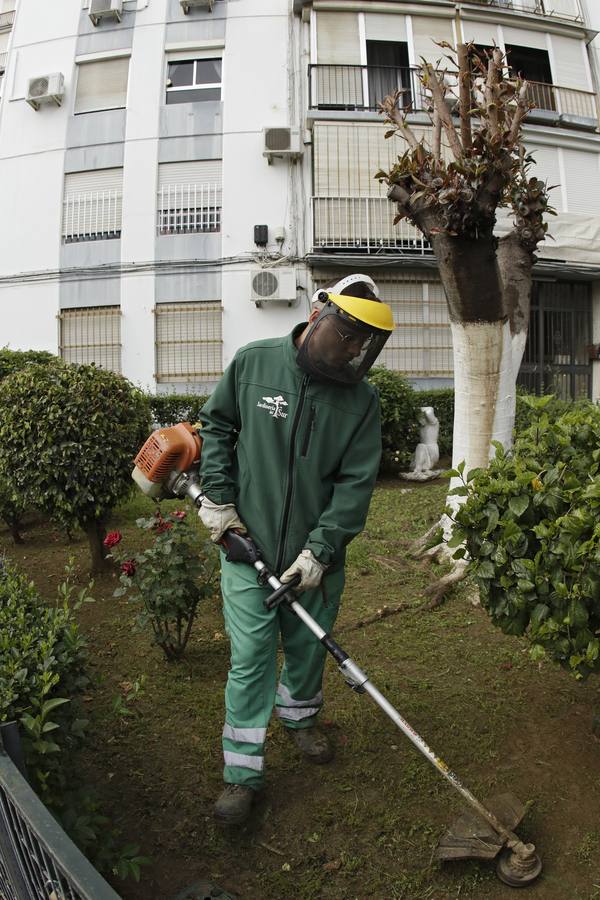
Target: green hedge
x=399, y=419
x=15, y=360
x=168, y=409
x=42, y=657
x=530, y=527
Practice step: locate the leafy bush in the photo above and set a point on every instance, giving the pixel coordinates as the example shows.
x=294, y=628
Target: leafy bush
x=442, y=400
x=68, y=435
x=15, y=360
x=168, y=579
x=169, y=409
x=531, y=523
x=42, y=668
x=399, y=418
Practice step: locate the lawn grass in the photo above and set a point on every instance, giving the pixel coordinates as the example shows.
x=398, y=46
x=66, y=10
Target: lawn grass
x=365, y=826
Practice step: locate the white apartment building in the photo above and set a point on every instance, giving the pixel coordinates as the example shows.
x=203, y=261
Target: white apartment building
x=178, y=175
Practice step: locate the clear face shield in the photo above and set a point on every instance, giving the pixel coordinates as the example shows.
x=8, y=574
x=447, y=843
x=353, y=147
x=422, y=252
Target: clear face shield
x=338, y=348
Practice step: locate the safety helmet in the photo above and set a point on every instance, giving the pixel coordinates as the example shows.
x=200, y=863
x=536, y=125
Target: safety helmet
x=348, y=335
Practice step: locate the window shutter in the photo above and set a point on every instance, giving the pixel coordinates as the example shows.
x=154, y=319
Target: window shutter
x=425, y=32
x=480, y=33
x=190, y=196
x=582, y=182
x=523, y=38
x=93, y=204
x=92, y=335
x=102, y=85
x=384, y=27
x=188, y=342
x=547, y=169
x=570, y=67
x=337, y=39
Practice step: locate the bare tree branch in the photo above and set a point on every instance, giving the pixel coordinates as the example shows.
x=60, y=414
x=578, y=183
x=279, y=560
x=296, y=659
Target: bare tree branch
x=439, y=104
x=521, y=111
x=491, y=91
x=464, y=94
x=437, y=137
x=390, y=108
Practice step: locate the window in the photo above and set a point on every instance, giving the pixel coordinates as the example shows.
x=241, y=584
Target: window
x=189, y=197
x=387, y=66
x=92, y=205
x=92, y=335
x=194, y=80
x=188, y=342
x=102, y=85
x=534, y=65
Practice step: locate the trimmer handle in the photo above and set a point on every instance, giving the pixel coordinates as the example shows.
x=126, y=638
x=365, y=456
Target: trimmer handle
x=279, y=595
x=239, y=547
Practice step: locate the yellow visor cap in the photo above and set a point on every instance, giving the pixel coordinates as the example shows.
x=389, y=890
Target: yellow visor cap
x=369, y=312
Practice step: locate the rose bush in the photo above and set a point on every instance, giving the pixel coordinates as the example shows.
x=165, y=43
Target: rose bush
x=168, y=579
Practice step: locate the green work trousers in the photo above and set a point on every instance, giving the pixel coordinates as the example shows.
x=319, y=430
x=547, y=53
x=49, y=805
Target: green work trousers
x=252, y=686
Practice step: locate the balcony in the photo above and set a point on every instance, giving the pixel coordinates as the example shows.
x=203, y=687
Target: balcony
x=92, y=216
x=361, y=88
x=189, y=209
x=6, y=20
x=362, y=225
x=555, y=9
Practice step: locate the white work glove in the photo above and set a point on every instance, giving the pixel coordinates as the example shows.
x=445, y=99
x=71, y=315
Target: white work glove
x=218, y=518
x=309, y=568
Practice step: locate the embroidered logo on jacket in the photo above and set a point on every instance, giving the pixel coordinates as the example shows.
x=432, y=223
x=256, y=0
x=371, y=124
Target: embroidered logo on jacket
x=274, y=406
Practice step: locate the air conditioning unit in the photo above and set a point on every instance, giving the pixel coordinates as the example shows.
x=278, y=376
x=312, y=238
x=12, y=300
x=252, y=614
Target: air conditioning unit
x=46, y=89
x=186, y=5
x=105, y=9
x=284, y=142
x=273, y=285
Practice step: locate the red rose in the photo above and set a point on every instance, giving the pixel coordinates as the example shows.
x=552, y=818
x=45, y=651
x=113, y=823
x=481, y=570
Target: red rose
x=128, y=568
x=163, y=526
x=111, y=539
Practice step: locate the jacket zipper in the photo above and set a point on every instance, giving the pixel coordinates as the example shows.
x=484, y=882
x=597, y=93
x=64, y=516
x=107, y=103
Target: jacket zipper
x=309, y=430
x=288, y=497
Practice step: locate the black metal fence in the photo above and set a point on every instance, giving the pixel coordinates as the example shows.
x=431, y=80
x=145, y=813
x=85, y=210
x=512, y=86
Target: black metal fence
x=364, y=87
x=37, y=859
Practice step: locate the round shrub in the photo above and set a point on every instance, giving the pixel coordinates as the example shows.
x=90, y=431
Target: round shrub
x=15, y=360
x=68, y=435
x=531, y=525
x=399, y=418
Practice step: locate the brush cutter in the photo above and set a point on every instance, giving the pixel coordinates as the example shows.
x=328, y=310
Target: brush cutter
x=167, y=465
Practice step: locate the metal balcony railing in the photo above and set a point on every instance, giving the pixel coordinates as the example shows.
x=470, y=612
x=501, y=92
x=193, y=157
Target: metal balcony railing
x=92, y=216
x=559, y=9
x=568, y=101
x=7, y=19
x=3, y=61
x=362, y=224
x=189, y=209
x=364, y=87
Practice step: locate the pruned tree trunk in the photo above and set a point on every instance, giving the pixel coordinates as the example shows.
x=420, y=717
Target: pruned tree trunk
x=14, y=528
x=487, y=281
x=95, y=533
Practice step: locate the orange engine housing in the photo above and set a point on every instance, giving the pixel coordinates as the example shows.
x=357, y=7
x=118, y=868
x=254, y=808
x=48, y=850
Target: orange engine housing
x=173, y=449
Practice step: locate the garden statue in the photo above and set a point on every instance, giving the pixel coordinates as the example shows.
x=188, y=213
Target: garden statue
x=427, y=453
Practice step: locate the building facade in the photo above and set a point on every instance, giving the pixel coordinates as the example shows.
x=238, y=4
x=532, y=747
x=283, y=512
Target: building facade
x=178, y=176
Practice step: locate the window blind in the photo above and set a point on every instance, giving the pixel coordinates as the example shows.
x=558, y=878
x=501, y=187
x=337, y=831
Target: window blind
x=93, y=204
x=385, y=27
x=428, y=30
x=569, y=63
x=102, y=85
x=337, y=38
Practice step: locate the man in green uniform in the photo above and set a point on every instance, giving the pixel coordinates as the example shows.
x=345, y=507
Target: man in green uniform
x=290, y=453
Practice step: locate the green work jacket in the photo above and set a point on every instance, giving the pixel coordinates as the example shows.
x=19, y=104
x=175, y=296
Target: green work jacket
x=297, y=457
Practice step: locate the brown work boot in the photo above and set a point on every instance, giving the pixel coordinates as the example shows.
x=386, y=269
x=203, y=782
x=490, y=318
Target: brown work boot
x=313, y=744
x=234, y=805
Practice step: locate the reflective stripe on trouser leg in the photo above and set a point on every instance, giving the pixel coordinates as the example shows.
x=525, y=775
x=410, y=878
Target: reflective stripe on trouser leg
x=250, y=690
x=299, y=695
